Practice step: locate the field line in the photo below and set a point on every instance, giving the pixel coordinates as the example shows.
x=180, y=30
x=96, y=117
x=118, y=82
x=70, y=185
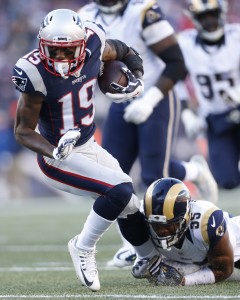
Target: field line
x=116, y=296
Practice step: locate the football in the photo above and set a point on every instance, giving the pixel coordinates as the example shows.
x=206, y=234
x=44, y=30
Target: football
x=111, y=72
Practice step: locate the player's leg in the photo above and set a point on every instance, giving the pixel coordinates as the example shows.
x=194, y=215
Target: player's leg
x=119, y=138
x=224, y=158
x=91, y=168
x=156, y=137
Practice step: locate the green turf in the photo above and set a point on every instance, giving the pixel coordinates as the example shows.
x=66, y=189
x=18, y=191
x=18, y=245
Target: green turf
x=34, y=262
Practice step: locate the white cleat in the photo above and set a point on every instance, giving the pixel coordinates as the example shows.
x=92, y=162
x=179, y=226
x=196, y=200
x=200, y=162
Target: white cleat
x=205, y=182
x=124, y=257
x=85, y=265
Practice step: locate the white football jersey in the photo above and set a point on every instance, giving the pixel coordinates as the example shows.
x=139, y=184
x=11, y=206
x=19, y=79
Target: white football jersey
x=212, y=69
x=207, y=225
x=137, y=27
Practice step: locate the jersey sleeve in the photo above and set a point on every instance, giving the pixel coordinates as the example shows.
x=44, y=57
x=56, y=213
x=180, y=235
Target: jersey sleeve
x=216, y=227
x=27, y=78
x=92, y=28
x=155, y=27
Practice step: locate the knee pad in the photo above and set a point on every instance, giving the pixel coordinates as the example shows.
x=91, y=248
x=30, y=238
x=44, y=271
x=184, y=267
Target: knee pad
x=120, y=195
x=113, y=202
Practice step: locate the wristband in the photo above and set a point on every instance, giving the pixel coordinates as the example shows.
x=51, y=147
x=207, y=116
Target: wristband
x=203, y=276
x=153, y=96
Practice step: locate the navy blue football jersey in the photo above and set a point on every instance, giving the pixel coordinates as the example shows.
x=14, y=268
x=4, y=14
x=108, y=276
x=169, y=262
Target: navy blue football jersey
x=68, y=103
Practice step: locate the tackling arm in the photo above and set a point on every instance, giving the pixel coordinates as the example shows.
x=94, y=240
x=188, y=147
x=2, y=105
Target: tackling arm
x=220, y=261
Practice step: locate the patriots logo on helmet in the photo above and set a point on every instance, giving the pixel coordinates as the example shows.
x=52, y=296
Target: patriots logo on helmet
x=19, y=82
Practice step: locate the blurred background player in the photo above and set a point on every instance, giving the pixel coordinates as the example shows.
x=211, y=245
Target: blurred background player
x=144, y=128
x=198, y=239
x=212, y=53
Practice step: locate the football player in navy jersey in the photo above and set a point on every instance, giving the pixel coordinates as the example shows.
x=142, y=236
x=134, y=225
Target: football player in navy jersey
x=147, y=125
x=55, y=118
x=199, y=243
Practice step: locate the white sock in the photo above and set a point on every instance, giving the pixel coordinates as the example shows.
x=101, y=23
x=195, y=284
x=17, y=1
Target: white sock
x=93, y=229
x=192, y=171
x=146, y=250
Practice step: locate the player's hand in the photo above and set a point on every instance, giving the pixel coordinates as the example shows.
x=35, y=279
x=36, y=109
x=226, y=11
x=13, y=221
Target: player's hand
x=66, y=144
x=139, y=110
x=134, y=88
x=232, y=95
x=166, y=276
x=192, y=123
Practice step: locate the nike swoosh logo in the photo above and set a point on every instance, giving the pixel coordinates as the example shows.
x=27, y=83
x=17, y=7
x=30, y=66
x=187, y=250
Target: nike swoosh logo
x=88, y=283
x=213, y=222
x=129, y=258
x=19, y=72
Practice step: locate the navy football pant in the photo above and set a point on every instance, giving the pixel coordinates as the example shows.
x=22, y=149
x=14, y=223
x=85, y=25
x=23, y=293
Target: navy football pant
x=151, y=141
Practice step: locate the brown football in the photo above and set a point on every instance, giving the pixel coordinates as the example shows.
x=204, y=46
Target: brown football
x=111, y=72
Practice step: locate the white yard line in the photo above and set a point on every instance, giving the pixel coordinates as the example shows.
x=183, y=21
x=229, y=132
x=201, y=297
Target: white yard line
x=115, y=296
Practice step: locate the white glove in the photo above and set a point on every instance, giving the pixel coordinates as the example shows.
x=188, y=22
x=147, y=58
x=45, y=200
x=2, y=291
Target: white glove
x=134, y=88
x=232, y=94
x=66, y=144
x=192, y=123
x=140, y=110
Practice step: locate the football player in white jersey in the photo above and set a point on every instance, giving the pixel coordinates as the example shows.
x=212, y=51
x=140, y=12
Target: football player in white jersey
x=57, y=82
x=212, y=53
x=199, y=243
x=146, y=126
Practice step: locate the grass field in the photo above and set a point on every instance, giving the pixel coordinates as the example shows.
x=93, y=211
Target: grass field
x=34, y=262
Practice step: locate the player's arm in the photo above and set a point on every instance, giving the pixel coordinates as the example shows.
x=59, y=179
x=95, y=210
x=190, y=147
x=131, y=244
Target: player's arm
x=159, y=36
x=28, y=110
x=169, y=51
x=118, y=50
x=220, y=254
x=221, y=259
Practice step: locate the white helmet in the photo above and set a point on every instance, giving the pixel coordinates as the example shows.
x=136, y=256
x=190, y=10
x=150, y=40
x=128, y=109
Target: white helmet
x=62, y=28
x=198, y=10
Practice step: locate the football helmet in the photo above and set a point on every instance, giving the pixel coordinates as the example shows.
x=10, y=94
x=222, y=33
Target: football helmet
x=209, y=28
x=110, y=6
x=62, y=28
x=167, y=211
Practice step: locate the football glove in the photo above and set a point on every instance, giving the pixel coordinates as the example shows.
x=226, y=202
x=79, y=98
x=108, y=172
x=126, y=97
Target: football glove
x=66, y=144
x=192, y=123
x=134, y=88
x=166, y=276
x=140, y=110
x=232, y=95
